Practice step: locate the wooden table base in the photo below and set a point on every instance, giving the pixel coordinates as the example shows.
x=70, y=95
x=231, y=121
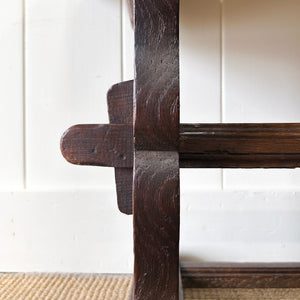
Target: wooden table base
x=146, y=144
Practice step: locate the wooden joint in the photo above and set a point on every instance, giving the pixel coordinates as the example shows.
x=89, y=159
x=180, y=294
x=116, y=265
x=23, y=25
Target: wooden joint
x=200, y=145
x=99, y=145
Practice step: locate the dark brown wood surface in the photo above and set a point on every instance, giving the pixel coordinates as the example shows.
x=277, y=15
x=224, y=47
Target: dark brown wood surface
x=156, y=167
x=98, y=145
x=240, y=145
x=240, y=275
x=120, y=111
x=120, y=103
x=156, y=225
x=157, y=75
x=240, y=138
x=200, y=145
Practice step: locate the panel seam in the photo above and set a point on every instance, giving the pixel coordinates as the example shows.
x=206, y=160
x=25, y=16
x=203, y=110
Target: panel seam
x=222, y=78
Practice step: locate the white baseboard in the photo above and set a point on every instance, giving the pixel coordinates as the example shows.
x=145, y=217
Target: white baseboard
x=83, y=231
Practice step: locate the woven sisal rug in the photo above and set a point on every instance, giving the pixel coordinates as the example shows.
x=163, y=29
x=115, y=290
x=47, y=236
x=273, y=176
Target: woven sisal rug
x=110, y=287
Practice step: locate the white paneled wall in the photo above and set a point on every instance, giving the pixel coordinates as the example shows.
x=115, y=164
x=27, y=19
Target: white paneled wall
x=240, y=62
x=73, y=56
x=127, y=45
x=11, y=94
x=63, y=231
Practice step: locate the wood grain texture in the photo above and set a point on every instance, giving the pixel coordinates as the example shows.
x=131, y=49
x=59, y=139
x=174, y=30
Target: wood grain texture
x=68, y=72
x=124, y=179
x=156, y=166
x=201, y=145
x=156, y=75
x=240, y=275
x=240, y=145
x=120, y=103
x=98, y=145
x=156, y=225
x=120, y=110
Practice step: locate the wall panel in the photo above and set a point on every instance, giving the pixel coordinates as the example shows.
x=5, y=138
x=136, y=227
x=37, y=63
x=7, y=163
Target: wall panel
x=127, y=44
x=241, y=226
x=64, y=231
x=73, y=56
x=11, y=94
x=82, y=231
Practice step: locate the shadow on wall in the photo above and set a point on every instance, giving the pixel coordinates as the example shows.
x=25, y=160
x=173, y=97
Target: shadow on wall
x=130, y=9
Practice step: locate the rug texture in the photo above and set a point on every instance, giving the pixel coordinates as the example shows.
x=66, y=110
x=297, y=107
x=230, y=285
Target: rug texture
x=113, y=287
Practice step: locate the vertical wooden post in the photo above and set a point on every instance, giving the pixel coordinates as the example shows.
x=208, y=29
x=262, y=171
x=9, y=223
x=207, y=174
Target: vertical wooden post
x=156, y=166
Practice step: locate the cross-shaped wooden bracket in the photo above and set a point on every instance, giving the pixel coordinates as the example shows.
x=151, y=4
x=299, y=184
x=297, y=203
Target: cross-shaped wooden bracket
x=146, y=144
x=200, y=145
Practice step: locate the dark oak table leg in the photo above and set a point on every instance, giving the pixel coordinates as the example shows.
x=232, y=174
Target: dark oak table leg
x=156, y=206
x=156, y=225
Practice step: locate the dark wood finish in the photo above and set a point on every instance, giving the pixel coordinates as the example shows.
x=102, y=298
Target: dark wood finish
x=156, y=225
x=156, y=168
x=240, y=161
x=201, y=145
x=120, y=111
x=240, y=145
x=124, y=178
x=157, y=75
x=145, y=146
x=240, y=275
x=120, y=103
x=99, y=145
